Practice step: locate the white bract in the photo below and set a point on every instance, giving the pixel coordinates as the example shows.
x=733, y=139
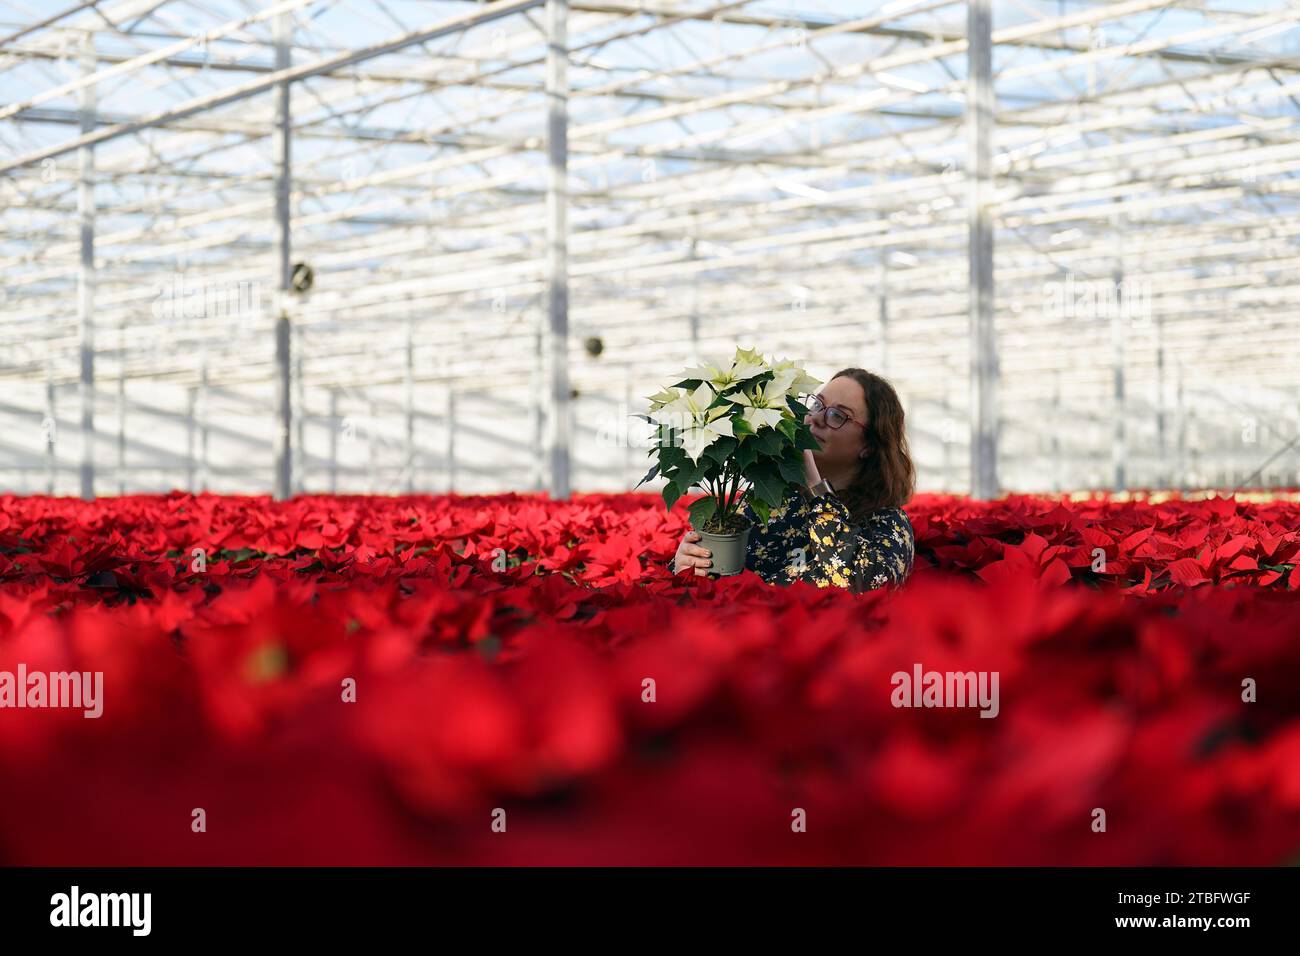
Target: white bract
x=700, y=425
x=765, y=405
x=801, y=382
x=721, y=377
x=669, y=394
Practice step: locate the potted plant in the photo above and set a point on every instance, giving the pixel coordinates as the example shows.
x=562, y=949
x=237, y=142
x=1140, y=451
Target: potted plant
x=736, y=430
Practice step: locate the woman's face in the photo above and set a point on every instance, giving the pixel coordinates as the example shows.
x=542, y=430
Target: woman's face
x=841, y=446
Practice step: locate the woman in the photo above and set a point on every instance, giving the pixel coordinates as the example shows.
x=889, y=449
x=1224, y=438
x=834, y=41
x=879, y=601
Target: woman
x=845, y=526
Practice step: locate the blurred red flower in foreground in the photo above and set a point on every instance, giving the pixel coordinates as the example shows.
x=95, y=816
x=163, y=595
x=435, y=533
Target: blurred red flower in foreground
x=367, y=681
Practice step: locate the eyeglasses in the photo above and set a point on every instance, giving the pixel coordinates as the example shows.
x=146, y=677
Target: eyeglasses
x=835, y=417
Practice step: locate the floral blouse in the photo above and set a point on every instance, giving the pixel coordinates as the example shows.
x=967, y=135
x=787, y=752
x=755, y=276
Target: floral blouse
x=815, y=539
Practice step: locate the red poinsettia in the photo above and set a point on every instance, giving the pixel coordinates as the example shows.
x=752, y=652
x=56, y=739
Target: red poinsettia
x=363, y=681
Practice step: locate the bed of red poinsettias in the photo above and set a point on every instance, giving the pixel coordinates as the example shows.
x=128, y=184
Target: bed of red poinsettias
x=499, y=648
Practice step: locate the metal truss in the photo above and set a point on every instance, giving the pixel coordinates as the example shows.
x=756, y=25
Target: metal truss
x=1087, y=281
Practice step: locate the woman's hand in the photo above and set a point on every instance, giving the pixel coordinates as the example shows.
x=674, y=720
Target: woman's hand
x=692, y=555
x=811, y=477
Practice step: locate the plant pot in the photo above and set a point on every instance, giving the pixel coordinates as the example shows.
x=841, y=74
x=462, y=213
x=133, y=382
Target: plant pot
x=728, y=550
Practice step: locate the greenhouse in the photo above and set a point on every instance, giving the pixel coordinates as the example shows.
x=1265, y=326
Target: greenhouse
x=516, y=217
x=568, y=435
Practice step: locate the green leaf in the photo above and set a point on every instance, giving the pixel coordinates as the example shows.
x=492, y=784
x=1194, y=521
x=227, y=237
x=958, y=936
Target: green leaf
x=691, y=475
x=746, y=455
x=741, y=427
x=792, y=471
x=720, y=450
x=803, y=439
x=768, y=442
x=760, y=509
x=702, y=510
x=671, y=494
x=768, y=487
x=787, y=427
x=649, y=475
x=672, y=455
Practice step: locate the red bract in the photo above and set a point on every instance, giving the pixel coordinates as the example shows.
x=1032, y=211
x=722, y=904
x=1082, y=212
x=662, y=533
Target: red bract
x=375, y=680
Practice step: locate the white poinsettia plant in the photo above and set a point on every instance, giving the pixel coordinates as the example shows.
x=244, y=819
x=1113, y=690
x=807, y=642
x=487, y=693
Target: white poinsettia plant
x=736, y=430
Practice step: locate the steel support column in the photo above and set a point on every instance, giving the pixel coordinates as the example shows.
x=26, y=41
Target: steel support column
x=283, y=366
x=538, y=418
x=50, y=431
x=334, y=425
x=451, y=437
x=86, y=276
x=1119, y=440
x=205, y=395
x=408, y=394
x=121, y=407
x=1162, y=478
x=882, y=310
x=557, y=248
x=983, y=337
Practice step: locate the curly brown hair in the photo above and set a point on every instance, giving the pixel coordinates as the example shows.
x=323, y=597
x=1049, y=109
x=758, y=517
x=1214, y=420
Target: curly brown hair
x=886, y=477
